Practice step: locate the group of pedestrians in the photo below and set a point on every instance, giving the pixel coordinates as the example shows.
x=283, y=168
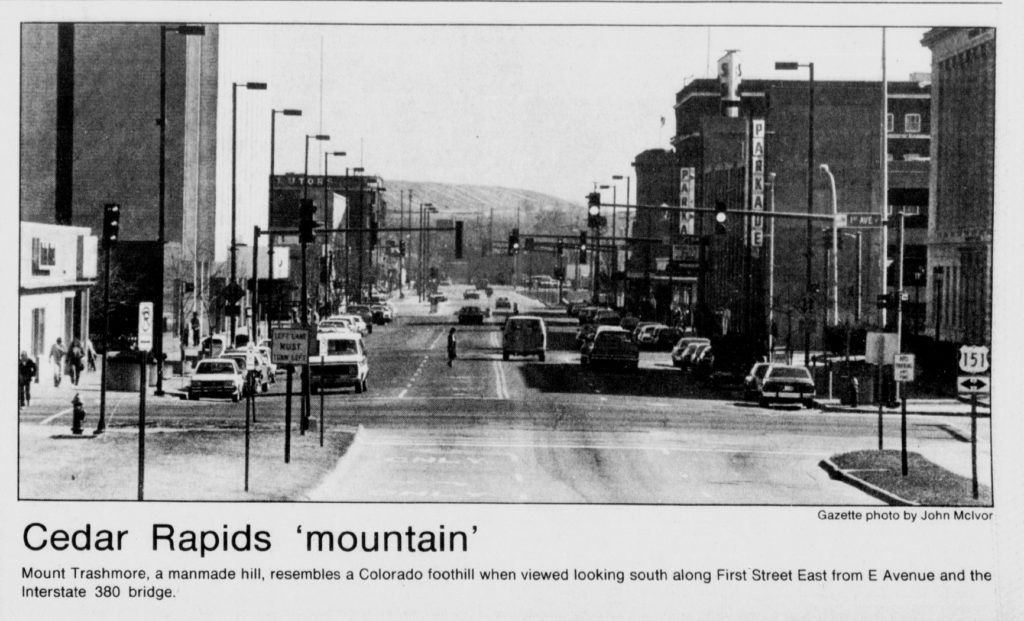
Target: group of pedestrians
x=71, y=360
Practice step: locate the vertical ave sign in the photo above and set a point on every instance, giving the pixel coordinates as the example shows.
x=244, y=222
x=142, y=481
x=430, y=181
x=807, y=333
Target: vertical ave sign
x=145, y=338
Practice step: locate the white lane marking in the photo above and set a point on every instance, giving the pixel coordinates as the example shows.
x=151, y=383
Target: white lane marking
x=49, y=419
x=401, y=395
x=603, y=447
x=438, y=338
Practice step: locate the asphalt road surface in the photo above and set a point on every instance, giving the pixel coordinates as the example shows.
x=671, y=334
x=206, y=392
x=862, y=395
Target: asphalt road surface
x=523, y=431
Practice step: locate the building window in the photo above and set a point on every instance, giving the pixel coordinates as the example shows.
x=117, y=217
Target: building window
x=912, y=123
x=890, y=122
x=44, y=256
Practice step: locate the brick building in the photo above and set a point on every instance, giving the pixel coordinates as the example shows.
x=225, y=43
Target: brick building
x=959, y=288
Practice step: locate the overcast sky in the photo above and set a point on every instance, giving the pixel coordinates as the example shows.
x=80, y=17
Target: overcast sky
x=550, y=109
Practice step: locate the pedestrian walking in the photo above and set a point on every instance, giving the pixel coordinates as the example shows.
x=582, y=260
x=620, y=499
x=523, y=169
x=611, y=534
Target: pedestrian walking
x=57, y=353
x=76, y=360
x=26, y=373
x=90, y=355
x=452, y=345
x=195, y=329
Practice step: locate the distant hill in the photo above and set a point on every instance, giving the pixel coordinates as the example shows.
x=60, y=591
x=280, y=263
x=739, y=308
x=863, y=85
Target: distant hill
x=537, y=212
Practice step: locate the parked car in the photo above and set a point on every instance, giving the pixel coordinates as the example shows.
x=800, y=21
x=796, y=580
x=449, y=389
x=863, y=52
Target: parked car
x=340, y=361
x=470, y=315
x=364, y=313
x=243, y=358
x=502, y=303
x=665, y=338
x=216, y=377
x=606, y=317
x=337, y=323
x=704, y=362
x=380, y=313
x=682, y=347
x=470, y=294
x=641, y=326
x=611, y=345
x=644, y=336
x=437, y=298
x=787, y=384
x=753, y=381
x=524, y=335
x=690, y=354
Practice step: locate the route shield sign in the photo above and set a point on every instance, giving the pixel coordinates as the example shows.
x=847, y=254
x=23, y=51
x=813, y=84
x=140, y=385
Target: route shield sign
x=978, y=384
x=903, y=367
x=974, y=359
x=145, y=326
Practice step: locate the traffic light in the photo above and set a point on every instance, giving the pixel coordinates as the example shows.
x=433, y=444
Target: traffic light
x=560, y=246
x=513, y=242
x=720, y=217
x=306, y=222
x=593, y=210
x=458, y=239
x=111, y=223
x=583, y=246
x=373, y=232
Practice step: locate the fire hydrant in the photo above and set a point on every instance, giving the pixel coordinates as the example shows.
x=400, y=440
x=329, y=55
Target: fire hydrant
x=77, y=416
x=853, y=396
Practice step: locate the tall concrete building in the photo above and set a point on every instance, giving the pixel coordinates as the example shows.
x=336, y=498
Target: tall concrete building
x=961, y=205
x=90, y=101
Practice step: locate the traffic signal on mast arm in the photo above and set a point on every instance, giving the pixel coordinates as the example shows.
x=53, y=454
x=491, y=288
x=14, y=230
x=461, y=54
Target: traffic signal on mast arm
x=720, y=217
x=513, y=242
x=583, y=247
x=306, y=222
x=560, y=246
x=593, y=210
x=111, y=224
x=458, y=239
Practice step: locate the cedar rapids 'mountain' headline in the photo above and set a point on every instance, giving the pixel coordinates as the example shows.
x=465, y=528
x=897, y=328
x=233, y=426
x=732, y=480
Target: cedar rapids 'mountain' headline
x=166, y=537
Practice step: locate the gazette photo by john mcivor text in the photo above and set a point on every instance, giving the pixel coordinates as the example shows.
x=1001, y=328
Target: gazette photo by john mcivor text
x=506, y=264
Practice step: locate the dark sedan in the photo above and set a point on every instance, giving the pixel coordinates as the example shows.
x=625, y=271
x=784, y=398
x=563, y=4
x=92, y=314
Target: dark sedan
x=471, y=315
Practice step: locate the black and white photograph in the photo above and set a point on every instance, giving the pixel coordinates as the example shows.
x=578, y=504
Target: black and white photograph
x=514, y=260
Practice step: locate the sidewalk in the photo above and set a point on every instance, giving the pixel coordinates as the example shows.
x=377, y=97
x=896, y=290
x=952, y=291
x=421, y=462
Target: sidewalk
x=930, y=407
x=48, y=400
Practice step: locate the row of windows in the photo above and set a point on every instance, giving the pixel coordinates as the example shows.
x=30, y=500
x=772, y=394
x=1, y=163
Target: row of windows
x=911, y=123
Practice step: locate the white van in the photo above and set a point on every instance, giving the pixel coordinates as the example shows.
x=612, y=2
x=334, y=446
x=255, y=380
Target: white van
x=343, y=362
x=524, y=335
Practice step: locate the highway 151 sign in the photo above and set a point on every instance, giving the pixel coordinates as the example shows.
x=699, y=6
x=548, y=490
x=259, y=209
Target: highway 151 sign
x=974, y=359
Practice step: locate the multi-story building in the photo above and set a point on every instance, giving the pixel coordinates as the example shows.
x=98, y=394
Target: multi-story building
x=340, y=265
x=90, y=102
x=56, y=273
x=754, y=271
x=960, y=209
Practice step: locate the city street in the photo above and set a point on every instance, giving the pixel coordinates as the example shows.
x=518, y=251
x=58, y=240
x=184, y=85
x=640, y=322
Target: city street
x=522, y=431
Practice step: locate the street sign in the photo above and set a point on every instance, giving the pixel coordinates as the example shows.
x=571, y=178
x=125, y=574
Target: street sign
x=860, y=221
x=881, y=348
x=903, y=367
x=974, y=358
x=289, y=346
x=145, y=326
x=756, y=238
x=233, y=293
x=978, y=384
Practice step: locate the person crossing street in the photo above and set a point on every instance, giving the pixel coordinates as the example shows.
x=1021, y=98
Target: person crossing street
x=57, y=352
x=452, y=345
x=26, y=373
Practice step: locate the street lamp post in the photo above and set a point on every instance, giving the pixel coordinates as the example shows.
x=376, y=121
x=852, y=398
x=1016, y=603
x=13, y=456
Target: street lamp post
x=835, y=246
x=303, y=244
x=328, y=253
x=252, y=86
x=270, y=243
x=790, y=66
x=158, y=302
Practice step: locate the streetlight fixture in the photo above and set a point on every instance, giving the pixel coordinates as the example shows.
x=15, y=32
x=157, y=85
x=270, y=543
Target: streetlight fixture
x=835, y=246
x=419, y=278
x=270, y=238
x=252, y=86
x=158, y=302
x=328, y=254
x=792, y=66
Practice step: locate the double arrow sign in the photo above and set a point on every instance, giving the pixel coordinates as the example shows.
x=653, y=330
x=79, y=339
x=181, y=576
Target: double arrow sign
x=973, y=383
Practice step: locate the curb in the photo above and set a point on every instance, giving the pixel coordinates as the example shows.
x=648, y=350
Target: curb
x=837, y=473
x=845, y=409
x=321, y=493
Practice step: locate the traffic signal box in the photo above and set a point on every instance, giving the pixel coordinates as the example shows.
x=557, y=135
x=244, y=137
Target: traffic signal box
x=306, y=223
x=583, y=247
x=111, y=224
x=513, y=242
x=720, y=218
x=458, y=239
x=593, y=210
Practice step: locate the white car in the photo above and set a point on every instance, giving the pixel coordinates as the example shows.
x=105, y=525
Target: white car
x=216, y=377
x=335, y=324
x=340, y=362
x=242, y=358
x=355, y=322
